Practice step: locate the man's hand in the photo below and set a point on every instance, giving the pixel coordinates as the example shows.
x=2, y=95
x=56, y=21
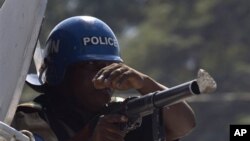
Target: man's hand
x=107, y=129
x=118, y=76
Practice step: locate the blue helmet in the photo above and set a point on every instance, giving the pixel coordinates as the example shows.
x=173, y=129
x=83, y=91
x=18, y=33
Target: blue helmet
x=79, y=38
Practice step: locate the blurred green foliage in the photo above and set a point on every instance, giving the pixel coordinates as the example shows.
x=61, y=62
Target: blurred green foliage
x=171, y=39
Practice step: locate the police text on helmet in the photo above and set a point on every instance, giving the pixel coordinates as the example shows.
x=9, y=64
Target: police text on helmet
x=100, y=41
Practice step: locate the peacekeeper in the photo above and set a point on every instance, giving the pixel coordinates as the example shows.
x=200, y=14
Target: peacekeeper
x=81, y=70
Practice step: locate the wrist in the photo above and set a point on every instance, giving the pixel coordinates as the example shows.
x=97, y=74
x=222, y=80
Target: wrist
x=150, y=85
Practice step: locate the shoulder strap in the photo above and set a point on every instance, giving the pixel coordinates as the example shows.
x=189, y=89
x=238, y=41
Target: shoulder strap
x=29, y=107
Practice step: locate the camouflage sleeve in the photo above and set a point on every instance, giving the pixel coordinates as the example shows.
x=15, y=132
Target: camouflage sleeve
x=29, y=120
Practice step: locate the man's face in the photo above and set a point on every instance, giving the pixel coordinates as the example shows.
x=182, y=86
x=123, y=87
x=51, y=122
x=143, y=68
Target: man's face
x=79, y=77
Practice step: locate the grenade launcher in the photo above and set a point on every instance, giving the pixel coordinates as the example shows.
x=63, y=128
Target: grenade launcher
x=137, y=107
